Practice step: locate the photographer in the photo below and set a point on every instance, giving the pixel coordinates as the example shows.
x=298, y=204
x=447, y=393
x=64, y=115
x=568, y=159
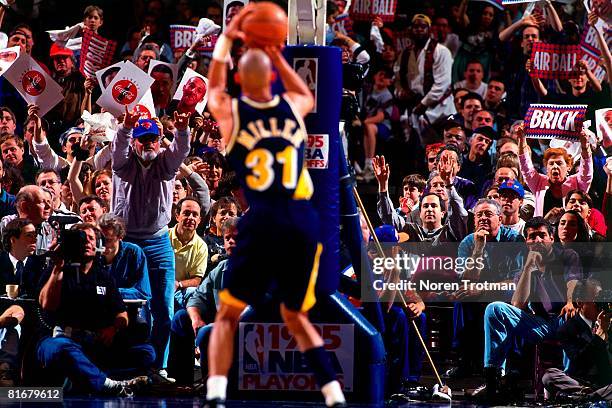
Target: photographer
x=584, y=339
x=91, y=319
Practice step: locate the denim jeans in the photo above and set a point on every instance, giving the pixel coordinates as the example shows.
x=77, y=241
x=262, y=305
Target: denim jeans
x=504, y=324
x=65, y=357
x=160, y=262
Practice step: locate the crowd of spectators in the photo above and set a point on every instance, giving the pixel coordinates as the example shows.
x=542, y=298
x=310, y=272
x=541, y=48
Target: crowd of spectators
x=121, y=246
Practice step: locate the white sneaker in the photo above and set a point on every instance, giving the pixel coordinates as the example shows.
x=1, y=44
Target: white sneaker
x=125, y=388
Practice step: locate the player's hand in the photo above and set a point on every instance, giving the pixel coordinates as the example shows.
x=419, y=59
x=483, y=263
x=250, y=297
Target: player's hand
x=274, y=53
x=181, y=120
x=234, y=30
x=130, y=118
x=381, y=171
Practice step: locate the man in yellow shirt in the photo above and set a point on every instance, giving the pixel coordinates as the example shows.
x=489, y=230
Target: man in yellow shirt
x=190, y=251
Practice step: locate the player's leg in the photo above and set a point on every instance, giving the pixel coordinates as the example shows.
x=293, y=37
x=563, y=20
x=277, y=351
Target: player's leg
x=221, y=348
x=311, y=344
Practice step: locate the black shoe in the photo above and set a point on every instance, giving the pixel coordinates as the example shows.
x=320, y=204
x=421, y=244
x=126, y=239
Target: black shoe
x=490, y=391
x=215, y=403
x=7, y=375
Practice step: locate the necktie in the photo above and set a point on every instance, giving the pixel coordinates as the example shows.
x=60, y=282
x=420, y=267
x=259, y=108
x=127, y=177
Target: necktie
x=19, y=272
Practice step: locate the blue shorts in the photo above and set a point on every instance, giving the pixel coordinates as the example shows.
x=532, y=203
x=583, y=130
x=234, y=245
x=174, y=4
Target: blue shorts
x=276, y=247
x=383, y=132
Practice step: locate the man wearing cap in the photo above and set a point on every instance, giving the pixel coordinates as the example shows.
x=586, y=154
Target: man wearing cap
x=425, y=73
x=49, y=159
x=72, y=82
x=511, y=194
x=476, y=164
x=143, y=183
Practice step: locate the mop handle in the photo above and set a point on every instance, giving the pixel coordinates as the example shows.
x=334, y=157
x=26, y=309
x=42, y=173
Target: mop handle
x=381, y=253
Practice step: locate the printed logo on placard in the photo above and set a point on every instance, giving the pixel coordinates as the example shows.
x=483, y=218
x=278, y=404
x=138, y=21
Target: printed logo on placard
x=142, y=111
x=124, y=92
x=33, y=82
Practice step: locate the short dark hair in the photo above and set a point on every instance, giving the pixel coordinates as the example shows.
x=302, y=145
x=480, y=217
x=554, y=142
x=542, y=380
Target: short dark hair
x=214, y=158
x=415, y=180
x=9, y=111
x=585, y=196
x=474, y=61
x=88, y=199
x=91, y=9
x=440, y=199
x=470, y=95
x=231, y=222
x=537, y=223
x=164, y=69
x=223, y=202
x=583, y=229
x=13, y=230
x=179, y=205
x=581, y=289
x=48, y=170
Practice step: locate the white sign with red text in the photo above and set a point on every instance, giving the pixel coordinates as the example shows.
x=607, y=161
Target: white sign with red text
x=316, y=154
x=269, y=358
x=126, y=89
x=34, y=84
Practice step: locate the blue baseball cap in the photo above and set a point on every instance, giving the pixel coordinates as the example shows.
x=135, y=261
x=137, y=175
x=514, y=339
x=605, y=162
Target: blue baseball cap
x=71, y=131
x=145, y=127
x=514, y=186
x=387, y=233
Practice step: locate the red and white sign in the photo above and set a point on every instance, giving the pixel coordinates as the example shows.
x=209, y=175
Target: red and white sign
x=269, y=358
x=593, y=63
x=554, y=61
x=182, y=36
x=316, y=154
x=126, y=89
x=603, y=126
x=34, y=84
x=192, y=90
x=7, y=57
x=554, y=121
x=96, y=53
x=366, y=10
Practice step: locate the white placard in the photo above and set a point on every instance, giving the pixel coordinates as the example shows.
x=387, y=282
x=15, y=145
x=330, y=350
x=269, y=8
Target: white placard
x=127, y=89
x=7, y=57
x=230, y=9
x=193, y=89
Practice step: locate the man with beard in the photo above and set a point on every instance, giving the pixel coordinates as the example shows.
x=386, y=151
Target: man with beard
x=143, y=182
x=194, y=92
x=477, y=164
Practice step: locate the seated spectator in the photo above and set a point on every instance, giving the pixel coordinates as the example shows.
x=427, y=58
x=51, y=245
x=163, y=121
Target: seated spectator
x=550, y=189
x=190, y=251
x=472, y=78
x=483, y=118
x=13, y=155
x=540, y=304
x=34, y=204
x=7, y=200
x=511, y=195
x=91, y=208
x=584, y=339
x=89, y=337
x=200, y=311
x=50, y=180
x=477, y=163
x=454, y=134
x=470, y=104
x=212, y=171
x=221, y=210
x=125, y=261
x=18, y=265
x=377, y=124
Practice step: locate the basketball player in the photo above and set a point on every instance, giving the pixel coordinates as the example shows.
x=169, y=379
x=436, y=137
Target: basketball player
x=265, y=138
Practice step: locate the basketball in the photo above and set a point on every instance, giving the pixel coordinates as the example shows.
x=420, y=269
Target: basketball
x=265, y=26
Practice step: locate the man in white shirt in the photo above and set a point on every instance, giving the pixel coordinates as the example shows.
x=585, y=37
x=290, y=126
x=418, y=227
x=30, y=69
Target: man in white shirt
x=511, y=194
x=472, y=78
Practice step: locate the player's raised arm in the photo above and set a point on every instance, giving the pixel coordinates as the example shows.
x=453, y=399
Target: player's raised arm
x=296, y=90
x=219, y=102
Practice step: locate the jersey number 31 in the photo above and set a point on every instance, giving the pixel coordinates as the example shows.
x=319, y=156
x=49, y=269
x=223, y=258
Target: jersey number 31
x=260, y=161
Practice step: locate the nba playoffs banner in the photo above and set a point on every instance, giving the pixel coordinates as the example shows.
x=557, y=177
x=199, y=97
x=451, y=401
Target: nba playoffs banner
x=33, y=83
x=495, y=3
x=554, y=121
x=366, y=10
x=269, y=358
x=182, y=36
x=127, y=88
x=96, y=53
x=554, y=61
x=317, y=152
